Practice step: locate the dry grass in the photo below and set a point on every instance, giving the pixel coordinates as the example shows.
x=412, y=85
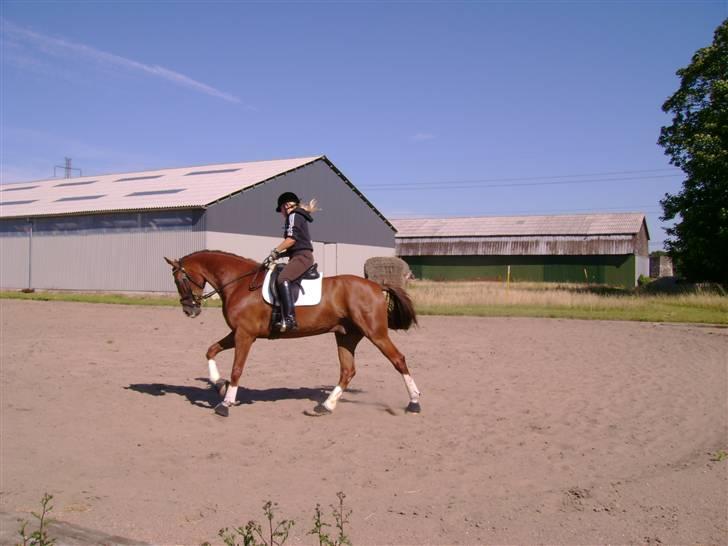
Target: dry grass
x=565, y=300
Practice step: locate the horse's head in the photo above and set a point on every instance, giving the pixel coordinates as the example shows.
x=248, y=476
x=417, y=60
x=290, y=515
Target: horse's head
x=190, y=285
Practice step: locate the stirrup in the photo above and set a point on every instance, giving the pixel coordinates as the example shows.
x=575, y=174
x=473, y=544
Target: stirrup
x=287, y=324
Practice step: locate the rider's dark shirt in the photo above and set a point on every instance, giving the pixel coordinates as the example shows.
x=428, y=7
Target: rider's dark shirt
x=297, y=228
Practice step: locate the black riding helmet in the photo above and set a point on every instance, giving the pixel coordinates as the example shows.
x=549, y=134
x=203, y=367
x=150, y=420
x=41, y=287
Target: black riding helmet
x=287, y=197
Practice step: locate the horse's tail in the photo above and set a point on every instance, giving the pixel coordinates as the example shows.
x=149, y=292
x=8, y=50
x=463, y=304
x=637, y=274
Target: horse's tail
x=400, y=310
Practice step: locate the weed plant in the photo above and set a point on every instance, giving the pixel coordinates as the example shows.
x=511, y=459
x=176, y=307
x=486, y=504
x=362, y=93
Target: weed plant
x=341, y=519
x=40, y=536
x=276, y=534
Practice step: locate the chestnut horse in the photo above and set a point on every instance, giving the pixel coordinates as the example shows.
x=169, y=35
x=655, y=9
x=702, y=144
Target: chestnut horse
x=351, y=308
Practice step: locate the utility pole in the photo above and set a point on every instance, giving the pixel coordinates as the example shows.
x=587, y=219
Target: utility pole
x=66, y=168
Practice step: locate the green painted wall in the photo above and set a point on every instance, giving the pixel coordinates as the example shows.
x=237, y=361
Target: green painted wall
x=610, y=270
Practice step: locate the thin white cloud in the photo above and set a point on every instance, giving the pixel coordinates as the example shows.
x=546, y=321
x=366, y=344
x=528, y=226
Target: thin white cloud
x=59, y=47
x=420, y=137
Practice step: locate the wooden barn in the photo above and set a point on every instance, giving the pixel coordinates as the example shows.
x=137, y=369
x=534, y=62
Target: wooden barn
x=607, y=249
x=110, y=232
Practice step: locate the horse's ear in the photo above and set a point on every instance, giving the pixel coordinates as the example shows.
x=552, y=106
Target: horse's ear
x=173, y=263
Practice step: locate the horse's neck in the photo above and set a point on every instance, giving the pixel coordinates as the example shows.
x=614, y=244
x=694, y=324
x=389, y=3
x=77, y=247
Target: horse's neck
x=220, y=268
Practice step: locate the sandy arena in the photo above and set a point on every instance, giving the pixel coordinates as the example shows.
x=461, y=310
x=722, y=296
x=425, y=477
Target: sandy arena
x=532, y=431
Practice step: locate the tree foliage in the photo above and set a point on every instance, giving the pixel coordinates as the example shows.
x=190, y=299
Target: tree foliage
x=697, y=143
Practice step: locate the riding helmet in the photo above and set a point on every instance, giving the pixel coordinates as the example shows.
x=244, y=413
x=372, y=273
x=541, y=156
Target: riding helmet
x=287, y=197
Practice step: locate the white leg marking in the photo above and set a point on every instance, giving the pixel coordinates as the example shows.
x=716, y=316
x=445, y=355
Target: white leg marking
x=333, y=398
x=230, y=395
x=414, y=394
x=214, y=373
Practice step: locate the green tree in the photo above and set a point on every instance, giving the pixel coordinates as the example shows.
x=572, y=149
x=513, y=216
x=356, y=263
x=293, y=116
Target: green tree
x=697, y=143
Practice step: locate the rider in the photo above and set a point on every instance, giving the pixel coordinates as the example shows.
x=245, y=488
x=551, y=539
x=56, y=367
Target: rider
x=297, y=246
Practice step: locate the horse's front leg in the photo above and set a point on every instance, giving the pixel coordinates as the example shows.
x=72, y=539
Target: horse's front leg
x=228, y=342
x=243, y=342
x=346, y=344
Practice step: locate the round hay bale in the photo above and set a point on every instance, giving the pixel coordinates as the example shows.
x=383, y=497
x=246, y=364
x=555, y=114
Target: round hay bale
x=388, y=270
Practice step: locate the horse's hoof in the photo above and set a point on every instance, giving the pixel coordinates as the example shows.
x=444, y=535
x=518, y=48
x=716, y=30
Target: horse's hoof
x=318, y=411
x=221, y=386
x=222, y=410
x=413, y=407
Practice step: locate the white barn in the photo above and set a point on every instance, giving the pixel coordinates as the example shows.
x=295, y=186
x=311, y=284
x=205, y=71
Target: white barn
x=110, y=232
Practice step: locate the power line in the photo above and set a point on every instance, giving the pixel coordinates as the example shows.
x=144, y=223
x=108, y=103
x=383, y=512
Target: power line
x=551, y=177
x=633, y=208
x=464, y=184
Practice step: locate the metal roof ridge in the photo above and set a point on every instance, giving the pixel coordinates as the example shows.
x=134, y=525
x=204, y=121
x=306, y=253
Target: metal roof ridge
x=78, y=178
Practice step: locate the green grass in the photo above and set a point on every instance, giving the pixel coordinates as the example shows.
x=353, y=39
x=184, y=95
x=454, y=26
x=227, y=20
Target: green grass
x=118, y=299
x=649, y=312
x=488, y=299
x=91, y=298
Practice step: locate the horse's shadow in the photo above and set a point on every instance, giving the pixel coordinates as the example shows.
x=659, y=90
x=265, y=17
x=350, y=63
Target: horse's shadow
x=207, y=396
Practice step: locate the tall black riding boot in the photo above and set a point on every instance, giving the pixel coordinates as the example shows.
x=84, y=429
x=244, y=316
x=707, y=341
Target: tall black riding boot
x=288, y=311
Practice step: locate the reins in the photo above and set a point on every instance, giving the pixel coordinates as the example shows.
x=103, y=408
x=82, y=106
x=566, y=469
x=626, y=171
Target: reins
x=199, y=299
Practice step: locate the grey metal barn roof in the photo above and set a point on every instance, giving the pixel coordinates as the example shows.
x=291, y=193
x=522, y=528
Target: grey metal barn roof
x=514, y=226
x=188, y=187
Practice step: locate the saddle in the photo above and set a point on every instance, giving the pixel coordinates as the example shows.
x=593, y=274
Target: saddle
x=305, y=290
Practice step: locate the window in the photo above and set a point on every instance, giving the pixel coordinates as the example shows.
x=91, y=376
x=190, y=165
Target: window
x=22, y=202
x=139, y=178
x=212, y=172
x=21, y=188
x=79, y=198
x=75, y=183
x=154, y=192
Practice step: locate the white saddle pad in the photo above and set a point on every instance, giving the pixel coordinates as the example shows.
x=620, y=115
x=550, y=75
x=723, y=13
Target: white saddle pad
x=309, y=295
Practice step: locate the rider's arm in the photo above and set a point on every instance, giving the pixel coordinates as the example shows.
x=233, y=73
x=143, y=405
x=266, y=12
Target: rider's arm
x=287, y=243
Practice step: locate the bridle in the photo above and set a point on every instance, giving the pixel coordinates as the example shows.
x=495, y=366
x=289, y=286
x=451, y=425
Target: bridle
x=189, y=297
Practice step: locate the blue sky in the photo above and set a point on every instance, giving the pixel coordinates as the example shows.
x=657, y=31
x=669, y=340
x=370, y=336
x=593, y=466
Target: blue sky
x=431, y=108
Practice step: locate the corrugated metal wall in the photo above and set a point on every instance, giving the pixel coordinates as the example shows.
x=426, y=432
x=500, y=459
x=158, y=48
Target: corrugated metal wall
x=610, y=270
x=14, y=261
x=516, y=246
x=121, y=252
x=112, y=261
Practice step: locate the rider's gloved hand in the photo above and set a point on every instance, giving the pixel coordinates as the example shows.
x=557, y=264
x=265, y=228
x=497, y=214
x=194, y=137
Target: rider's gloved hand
x=272, y=257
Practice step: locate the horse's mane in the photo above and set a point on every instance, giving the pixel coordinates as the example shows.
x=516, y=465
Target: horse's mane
x=224, y=253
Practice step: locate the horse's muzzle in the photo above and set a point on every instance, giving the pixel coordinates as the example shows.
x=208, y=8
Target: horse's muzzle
x=191, y=310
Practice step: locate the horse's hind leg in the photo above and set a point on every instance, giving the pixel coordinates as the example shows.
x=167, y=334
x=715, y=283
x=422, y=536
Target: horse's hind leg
x=228, y=342
x=346, y=344
x=384, y=344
